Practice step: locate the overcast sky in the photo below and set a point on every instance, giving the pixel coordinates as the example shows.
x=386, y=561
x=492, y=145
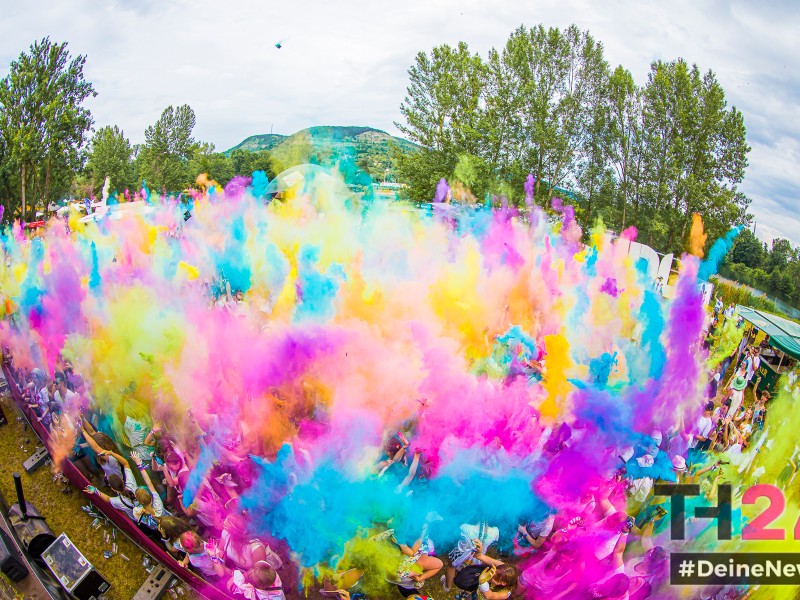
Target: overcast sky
x=345, y=63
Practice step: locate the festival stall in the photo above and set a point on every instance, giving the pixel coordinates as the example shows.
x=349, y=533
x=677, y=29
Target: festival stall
x=778, y=340
x=119, y=519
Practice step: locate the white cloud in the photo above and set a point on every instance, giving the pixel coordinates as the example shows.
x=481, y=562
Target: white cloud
x=345, y=63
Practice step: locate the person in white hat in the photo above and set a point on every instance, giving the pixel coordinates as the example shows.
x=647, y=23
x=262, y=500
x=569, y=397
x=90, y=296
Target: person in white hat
x=738, y=383
x=679, y=464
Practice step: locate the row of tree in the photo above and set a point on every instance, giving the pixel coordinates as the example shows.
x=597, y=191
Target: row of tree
x=549, y=104
x=775, y=270
x=169, y=160
x=47, y=152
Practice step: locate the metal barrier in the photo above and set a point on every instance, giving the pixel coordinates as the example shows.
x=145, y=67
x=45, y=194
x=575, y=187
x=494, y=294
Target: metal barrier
x=119, y=519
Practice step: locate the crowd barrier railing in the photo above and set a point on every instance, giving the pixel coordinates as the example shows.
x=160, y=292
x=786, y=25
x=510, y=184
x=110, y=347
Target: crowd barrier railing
x=120, y=520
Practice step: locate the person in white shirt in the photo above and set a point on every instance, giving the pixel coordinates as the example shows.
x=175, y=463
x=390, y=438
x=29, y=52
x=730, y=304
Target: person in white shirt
x=125, y=500
x=259, y=583
x=737, y=385
x=531, y=536
x=756, y=362
x=68, y=399
x=205, y=557
x=722, y=411
x=472, y=538
x=702, y=429
x=149, y=507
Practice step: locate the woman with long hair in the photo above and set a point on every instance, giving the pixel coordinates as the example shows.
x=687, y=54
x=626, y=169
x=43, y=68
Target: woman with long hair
x=171, y=529
x=124, y=500
x=492, y=580
x=105, y=450
x=149, y=507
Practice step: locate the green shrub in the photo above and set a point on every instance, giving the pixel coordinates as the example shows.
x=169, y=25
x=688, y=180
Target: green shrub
x=740, y=294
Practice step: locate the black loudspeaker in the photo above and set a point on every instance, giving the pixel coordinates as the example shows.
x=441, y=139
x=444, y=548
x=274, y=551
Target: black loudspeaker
x=156, y=584
x=11, y=563
x=91, y=586
x=32, y=530
x=75, y=573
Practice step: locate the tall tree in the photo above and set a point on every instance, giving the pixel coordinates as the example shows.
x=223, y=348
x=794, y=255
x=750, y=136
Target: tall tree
x=624, y=145
x=696, y=153
x=110, y=156
x=43, y=120
x=442, y=112
x=782, y=252
x=163, y=160
x=555, y=78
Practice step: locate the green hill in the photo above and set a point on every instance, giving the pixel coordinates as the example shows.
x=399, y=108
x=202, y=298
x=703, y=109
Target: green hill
x=349, y=149
x=264, y=141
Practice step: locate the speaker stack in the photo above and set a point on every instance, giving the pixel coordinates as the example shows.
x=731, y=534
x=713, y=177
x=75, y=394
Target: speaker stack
x=31, y=528
x=11, y=563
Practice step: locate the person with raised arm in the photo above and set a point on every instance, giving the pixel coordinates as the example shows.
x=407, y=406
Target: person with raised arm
x=149, y=507
x=125, y=499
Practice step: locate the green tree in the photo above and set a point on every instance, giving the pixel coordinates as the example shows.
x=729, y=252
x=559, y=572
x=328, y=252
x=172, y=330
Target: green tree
x=747, y=250
x=442, y=113
x=163, y=160
x=792, y=271
x=594, y=174
x=782, y=252
x=215, y=165
x=550, y=82
x=246, y=162
x=625, y=142
x=695, y=155
x=43, y=121
x=110, y=155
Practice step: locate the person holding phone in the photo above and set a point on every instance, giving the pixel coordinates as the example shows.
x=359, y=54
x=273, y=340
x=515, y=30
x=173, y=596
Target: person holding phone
x=532, y=535
x=124, y=500
x=492, y=579
x=176, y=474
x=204, y=556
x=471, y=539
x=149, y=507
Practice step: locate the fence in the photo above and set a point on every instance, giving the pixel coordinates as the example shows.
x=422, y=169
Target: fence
x=119, y=519
x=740, y=293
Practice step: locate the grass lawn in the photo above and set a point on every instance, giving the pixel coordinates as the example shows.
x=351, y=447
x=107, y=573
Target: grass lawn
x=63, y=511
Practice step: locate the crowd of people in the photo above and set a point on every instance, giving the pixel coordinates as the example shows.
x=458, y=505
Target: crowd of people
x=553, y=554
x=143, y=476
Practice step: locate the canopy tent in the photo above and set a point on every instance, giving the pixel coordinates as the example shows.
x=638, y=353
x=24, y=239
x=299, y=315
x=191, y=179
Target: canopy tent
x=783, y=334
